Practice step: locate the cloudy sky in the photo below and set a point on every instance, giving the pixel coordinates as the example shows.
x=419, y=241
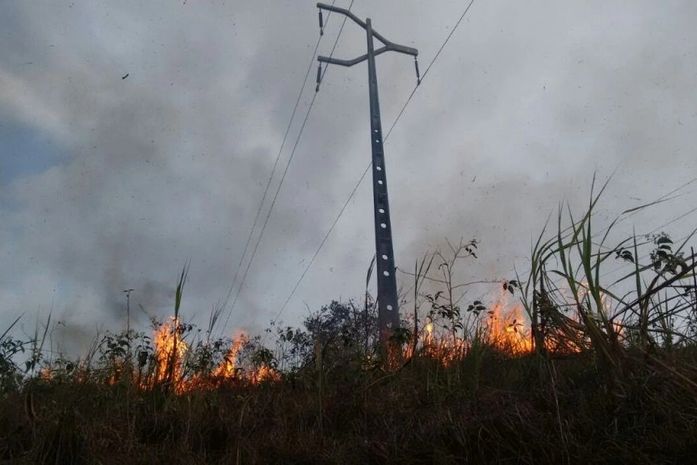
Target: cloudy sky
x=109, y=183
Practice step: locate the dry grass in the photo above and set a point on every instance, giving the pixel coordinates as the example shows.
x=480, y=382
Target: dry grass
x=519, y=412
x=609, y=377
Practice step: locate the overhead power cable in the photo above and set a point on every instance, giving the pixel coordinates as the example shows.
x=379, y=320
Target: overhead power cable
x=367, y=169
x=273, y=170
x=285, y=171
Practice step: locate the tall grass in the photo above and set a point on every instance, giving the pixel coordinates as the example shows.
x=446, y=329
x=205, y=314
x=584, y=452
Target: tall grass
x=608, y=374
x=626, y=321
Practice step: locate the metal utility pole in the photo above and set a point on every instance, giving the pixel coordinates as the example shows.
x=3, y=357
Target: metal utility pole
x=388, y=308
x=128, y=320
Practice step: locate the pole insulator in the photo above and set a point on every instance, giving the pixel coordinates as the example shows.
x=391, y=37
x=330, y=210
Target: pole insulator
x=319, y=76
x=418, y=73
x=321, y=23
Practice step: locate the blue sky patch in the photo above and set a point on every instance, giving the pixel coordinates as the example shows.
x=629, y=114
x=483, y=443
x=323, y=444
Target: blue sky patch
x=24, y=151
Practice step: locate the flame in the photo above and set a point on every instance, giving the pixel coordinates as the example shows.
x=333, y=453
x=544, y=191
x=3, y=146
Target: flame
x=445, y=348
x=264, y=373
x=170, y=350
x=606, y=310
x=508, y=328
x=228, y=368
x=504, y=327
x=428, y=339
x=428, y=342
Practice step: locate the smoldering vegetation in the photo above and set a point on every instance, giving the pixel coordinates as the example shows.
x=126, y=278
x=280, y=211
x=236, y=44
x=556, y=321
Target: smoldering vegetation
x=587, y=358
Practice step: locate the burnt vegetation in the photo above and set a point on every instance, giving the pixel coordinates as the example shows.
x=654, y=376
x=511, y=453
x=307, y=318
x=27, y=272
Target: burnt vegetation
x=589, y=358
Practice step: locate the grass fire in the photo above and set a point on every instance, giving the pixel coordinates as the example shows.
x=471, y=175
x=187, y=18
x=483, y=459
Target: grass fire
x=202, y=263
x=555, y=367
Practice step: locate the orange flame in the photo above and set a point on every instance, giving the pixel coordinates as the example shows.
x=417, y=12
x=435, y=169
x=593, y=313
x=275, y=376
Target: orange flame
x=228, y=368
x=170, y=350
x=508, y=328
x=263, y=374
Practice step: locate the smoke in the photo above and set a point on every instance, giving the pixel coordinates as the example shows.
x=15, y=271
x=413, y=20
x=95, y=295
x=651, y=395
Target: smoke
x=169, y=164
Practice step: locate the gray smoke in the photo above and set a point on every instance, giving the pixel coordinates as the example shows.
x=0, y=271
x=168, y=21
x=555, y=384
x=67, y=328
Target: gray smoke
x=168, y=165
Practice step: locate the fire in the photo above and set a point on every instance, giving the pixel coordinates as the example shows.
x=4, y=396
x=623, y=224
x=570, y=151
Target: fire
x=45, y=374
x=508, y=328
x=504, y=327
x=606, y=310
x=228, y=368
x=448, y=348
x=429, y=333
x=264, y=373
x=170, y=350
x=170, y=354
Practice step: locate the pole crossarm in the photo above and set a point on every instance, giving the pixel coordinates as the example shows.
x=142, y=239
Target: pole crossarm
x=342, y=11
x=355, y=61
x=389, y=46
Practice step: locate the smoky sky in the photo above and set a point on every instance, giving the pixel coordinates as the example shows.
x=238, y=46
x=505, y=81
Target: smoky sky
x=110, y=183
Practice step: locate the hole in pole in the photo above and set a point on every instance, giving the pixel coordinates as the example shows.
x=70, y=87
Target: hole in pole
x=386, y=273
x=379, y=168
x=383, y=225
x=381, y=210
x=380, y=181
x=389, y=307
x=384, y=257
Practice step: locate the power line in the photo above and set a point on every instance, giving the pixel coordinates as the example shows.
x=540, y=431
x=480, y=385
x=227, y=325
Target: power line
x=367, y=169
x=428, y=68
x=273, y=170
x=324, y=241
x=285, y=171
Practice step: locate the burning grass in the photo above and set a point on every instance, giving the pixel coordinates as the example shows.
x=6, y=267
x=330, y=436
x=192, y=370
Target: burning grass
x=561, y=367
x=171, y=353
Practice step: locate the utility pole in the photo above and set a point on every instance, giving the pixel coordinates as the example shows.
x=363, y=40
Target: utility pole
x=128, y=320
x=388, y=307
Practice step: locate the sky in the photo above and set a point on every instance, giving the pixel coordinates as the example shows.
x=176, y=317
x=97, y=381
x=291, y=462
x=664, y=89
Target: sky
x=109, y=183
